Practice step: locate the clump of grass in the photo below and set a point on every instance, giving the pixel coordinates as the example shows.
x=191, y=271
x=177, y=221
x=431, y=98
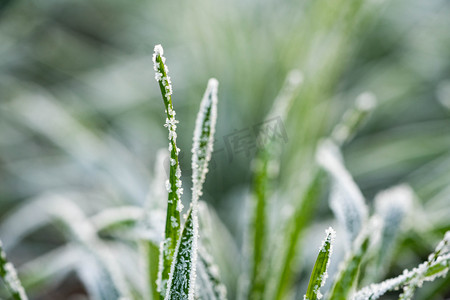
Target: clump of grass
x=181, y=267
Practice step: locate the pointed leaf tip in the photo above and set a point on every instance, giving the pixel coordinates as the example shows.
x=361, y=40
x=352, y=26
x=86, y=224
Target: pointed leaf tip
x=320, y=270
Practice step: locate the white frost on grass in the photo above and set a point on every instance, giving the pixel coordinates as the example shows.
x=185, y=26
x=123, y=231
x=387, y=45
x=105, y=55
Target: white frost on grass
x=437, y=265
x=391, y=207
x=346, y=199
x=9, y=275
x=203, y=141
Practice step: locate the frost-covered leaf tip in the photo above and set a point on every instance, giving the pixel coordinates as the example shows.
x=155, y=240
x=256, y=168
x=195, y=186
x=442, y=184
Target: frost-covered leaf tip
x=203, y=140
x=319, y=273
x=346, y=200
x=173, y=184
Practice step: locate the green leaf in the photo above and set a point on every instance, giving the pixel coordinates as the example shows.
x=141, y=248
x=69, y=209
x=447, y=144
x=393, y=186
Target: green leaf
x=151, y=251
x=174, y=205
x=319, y=273
x=348, y=275
x=9, y=275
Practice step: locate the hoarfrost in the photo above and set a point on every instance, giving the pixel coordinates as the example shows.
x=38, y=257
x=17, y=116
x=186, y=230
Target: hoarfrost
x=9, y=274
x=346, y=200
x=436, y=266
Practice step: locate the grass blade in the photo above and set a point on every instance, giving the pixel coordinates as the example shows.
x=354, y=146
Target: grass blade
x=263, y=167
x=319, y=273
x=174, y=205
x=217, y=243
x=203, y=141
x=391, y=206
x=50, y=269
x=346, y=199
x=9, y=275
x=181, y=284
x=295, y=227
x=211, y=273
x=353, y=118
x=437, y=265
x=348, y=275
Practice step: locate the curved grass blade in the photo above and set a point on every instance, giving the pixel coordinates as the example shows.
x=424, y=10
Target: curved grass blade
x=437, y=265
x=346, y=199
x=319, y=273
x=391, y=206
x=264, y=165
x=174, y=185
x=63, y=211
x=347, y=277
x=100, y=154
x=9, y=275
x=50, y=268
x=181, y=284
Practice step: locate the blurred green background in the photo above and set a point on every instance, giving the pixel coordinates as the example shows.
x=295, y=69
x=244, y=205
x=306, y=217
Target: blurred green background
x=81, y=114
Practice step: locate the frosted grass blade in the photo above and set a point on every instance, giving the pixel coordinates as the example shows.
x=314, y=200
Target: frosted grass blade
x=319, y=273
x=437, y=265
x=265, y=168
x=391, y=207
x=211, y=275
x=203, y=140
x=174, y=185
x=116, y=218
x=217, y=243
x=347, y=278
x=9, y=275
x=181, y=284
x=353, y=118
x=346, y=199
